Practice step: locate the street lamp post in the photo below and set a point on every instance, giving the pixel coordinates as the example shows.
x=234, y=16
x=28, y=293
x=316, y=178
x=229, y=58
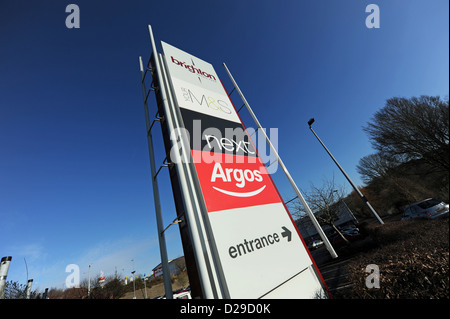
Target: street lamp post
x=363, y=198
x=145, y=287
x=89, y=281
x=134, y=284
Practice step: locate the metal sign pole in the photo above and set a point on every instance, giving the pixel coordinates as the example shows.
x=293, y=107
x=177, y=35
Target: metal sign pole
x=197, y=236
x=291, y=180
x=216, y=282
x=159, y=220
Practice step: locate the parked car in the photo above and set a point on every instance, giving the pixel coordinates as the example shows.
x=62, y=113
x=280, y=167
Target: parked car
x=315, y=244
x=426, y=209
x=349, y=228
x=184, y=293
x=337, y=240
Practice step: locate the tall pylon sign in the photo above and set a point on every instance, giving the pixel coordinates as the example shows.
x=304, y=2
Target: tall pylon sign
x=239, y=238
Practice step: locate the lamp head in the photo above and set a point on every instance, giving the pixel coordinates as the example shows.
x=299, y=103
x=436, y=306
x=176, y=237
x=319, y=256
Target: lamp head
x=310, y=122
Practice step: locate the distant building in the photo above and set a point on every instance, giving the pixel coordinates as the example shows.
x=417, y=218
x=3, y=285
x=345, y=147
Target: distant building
x=344, y=216
x=176, y=266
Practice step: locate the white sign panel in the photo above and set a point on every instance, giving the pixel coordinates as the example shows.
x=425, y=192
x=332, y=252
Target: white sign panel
x=261, y=252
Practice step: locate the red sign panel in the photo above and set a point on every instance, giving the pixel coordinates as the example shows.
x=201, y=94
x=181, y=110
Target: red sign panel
x=236, y=181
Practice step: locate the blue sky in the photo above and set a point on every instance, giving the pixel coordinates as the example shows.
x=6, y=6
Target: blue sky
x=74, y=167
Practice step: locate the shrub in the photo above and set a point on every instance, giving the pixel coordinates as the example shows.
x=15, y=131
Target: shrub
x=413, y=258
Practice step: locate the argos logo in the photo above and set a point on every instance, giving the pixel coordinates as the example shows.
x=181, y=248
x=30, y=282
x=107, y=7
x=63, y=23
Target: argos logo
x=239, y=177
x=235, y=183
x=235, y=175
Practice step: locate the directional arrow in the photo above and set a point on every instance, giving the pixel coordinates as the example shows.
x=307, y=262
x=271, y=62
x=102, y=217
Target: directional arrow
x=287, y=233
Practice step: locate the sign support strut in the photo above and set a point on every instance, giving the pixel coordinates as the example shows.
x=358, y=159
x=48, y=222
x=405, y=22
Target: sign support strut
x=159, y=220
x=286, y=172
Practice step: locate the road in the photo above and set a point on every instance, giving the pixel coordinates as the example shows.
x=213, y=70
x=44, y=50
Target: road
x=332, y=270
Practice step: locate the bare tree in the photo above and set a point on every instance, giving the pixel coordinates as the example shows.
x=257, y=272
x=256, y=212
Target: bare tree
x=375, y=166
x=415, y=128
x=15, y=290
x=324, y=201
x=180, y=265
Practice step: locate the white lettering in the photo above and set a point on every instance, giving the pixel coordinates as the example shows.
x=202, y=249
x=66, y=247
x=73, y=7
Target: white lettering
x=73, y=279
x=178, y=136
x=238, y=175
x=258, y=176
x=248, y=177
x=218, y=173
x=228, y=144
x=373, y=280
x=73, y=19
x=373, y=19
x=240, y=178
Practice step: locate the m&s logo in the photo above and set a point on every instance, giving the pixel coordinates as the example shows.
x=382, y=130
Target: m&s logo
x=206, y=101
